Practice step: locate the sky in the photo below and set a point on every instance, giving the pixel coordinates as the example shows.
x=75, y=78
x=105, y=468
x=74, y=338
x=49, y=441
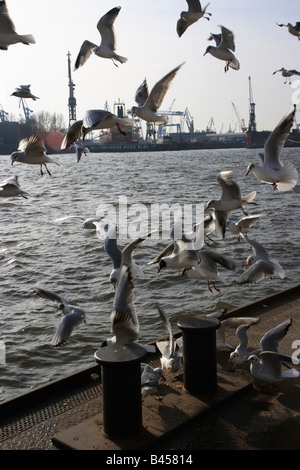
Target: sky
x=146, y=35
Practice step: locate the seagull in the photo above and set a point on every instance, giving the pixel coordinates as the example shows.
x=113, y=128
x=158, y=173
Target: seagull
x=194, y=13
x=241, y=352
x=170, y=359
x=294, y=30
x=80, y=150
x=148, y=104
x=11, y=188
x=93, y=119
x=150, y=379
x=287, y=73
x=230, y=200
x=107, y=47
x=224, y=48
x=73, y=316
x=242, y=225
x=228, y=324
x=209, y=225
x=260, y=265
x=271, y=171
x=23, y=91
x=182, y=253
x=33, y=152
x=266, y=365
x=118, y=256
x=208, y=267
x=8, y=34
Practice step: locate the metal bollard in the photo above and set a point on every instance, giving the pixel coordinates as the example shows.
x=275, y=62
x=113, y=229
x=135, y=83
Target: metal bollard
x=121, y=388
x=199, y=354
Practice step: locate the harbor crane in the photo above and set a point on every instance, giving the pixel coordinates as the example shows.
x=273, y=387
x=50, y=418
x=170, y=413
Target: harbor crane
x=72, y=99
x=241, y=121
x=252, y=118
x=3, y=114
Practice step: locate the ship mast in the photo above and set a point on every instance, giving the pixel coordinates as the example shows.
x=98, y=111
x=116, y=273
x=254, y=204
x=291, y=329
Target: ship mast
x=72, y=99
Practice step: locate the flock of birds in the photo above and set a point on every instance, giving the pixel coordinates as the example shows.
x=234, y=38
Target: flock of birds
x=184, y=253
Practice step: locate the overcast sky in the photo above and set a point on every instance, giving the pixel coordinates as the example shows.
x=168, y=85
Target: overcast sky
x=146, y=35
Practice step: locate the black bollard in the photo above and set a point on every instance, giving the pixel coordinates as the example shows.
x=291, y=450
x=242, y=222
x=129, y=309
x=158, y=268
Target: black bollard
x=121, y=388
x=199, y=354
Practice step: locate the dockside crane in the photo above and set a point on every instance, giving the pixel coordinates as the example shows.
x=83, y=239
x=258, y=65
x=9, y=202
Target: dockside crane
x=252, y=118
x=72, y=99
x=241, y=121
x=3, y=114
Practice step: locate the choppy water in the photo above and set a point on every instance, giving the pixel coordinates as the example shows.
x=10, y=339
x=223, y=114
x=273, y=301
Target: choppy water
x=63, y=257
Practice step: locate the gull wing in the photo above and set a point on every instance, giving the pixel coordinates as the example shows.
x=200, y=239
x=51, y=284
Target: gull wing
x=35, y=145
x=11, y=181
x=73, y=134
x=142, y=93
x=106, y=29
x=127, y=252
x=111, y=247
x=70, y=321
x=194, y=5
x=124, y=320
x=49, y=295
x=166, y=322
x=6, y=24
x=257, y=248
x=159, y=90
x=230, y=189
x=93, y=117
x=84, y=54
x=166, y=252
x=276, y=140
x=227, y=41
x=270, y=340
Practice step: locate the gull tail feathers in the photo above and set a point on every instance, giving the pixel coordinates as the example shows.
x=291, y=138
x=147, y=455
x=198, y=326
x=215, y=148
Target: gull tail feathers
x=288, y=179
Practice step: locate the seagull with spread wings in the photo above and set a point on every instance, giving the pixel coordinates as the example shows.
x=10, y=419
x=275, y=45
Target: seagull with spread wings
x=107, y=47
x=8, y=34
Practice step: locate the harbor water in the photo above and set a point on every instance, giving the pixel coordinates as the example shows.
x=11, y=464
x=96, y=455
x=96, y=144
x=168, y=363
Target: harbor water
x=38, y=250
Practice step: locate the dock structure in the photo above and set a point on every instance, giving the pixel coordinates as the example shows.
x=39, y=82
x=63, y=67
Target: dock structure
x=68, y=413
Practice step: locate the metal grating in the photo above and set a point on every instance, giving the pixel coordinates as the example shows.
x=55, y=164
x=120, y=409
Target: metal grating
x=10, y=427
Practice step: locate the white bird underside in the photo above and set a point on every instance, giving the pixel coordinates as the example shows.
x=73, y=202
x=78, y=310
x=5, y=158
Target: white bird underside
x=73, y=316
x=272, y=171
x=8, y=34
x=194, y=13
x=107, y=47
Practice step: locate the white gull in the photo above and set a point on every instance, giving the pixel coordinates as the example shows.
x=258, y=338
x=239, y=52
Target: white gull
x=272, y=171
x=194, y=13
x=73, y=316
x=8, y=34
x=107, y=47
x=224, y=48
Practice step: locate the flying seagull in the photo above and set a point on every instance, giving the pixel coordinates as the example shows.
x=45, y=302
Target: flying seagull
x=148, y=104
x=271, y=170
x=93, y=119
x=224, y=49
x=107, y=47
x=287, y=74
x=73, y=316
x=23, y=91
x=194, y=13
x=8, y=34
x=33, y=152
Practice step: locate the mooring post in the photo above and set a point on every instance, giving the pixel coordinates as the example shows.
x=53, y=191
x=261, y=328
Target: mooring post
x=199, y=354
x=121, y=388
